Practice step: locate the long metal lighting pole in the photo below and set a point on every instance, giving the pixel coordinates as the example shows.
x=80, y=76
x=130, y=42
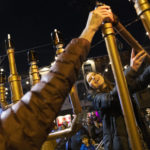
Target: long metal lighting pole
x=14, y=79
x=109, y=35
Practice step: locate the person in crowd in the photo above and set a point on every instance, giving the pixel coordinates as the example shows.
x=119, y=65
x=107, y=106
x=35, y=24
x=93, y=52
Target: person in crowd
x=75, y=141
x=26, y=124
x=98, y=131
x=86, y=144
x=89, y=126
x=61, y=142
x=105, y=97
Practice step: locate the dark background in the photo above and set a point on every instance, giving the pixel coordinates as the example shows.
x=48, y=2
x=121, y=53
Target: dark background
x=31, y=22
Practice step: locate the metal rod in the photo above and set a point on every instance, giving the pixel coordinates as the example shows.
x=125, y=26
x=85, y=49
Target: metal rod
x=123, y=92
x=3, y=101
x=123, y=32
x=14, y=79
x=143, y=11
x=34, y=73
x=34, y=70
x=75, y=102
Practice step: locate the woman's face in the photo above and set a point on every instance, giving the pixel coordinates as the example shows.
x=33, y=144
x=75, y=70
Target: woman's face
x=94, y=80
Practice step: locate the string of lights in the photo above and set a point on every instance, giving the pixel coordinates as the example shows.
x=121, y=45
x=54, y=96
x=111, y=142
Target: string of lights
x=129, y=24
x=48, y=44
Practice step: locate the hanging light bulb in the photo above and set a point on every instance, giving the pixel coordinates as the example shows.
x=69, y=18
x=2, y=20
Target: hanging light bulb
x=27, y=82
x=106, y=69
x=126, y=66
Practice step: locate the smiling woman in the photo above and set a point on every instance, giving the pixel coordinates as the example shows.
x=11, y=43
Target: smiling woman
x=98, y=82
x=95, y=80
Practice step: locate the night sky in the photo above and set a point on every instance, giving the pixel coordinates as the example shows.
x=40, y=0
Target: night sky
x=31, y=22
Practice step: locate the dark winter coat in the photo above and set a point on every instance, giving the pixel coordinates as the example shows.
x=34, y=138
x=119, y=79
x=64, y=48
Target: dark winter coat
x=114, y=130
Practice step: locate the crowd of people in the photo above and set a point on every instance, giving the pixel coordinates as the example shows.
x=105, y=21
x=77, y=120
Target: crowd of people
x=26, y=125
x=89, y=136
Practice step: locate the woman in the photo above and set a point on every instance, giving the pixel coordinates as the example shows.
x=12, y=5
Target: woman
x=105, y=98
x=98, y=82
x=114, y=130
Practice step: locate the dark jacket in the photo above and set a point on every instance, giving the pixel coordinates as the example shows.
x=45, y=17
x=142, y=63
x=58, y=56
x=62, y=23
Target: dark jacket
x=26, y=124
x=137, y=82
x=76, y=141
x=114, y=130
